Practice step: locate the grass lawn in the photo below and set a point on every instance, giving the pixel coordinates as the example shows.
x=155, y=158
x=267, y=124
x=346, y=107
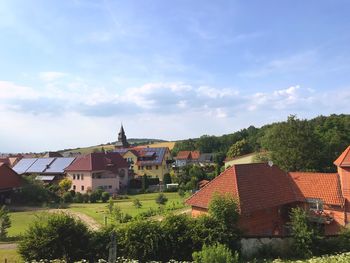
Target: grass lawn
x=20, y=221
x=98, y=210
x=11, y=255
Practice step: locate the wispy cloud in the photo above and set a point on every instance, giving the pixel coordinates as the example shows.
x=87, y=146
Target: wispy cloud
x=49, y=76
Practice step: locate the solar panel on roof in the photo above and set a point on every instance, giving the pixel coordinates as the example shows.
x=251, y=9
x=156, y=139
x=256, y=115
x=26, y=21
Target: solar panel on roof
x=59, y=164
x=40, y=165
x=23, y=165
x=44, y=178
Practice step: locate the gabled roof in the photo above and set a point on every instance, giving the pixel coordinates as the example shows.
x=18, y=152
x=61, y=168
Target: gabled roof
x=325, y=186
x=98, y=162
x=188, y=155
x=344, y=158
x=155, y=155
x=9, y=178
x=256, y=186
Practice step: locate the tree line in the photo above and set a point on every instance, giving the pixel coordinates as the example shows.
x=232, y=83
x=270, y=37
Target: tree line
x=293, y=145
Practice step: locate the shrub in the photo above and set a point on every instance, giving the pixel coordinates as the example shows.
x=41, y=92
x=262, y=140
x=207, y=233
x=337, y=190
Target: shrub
x=161, y=199
x=57, y=236
x=5, y=222
x=78, y=198
x=105, y=196
x=137, y=203
x=67, y=197
x=86, y=198
x=167, y=179
x=217, y=253
x=302, y=233
x=94, y=197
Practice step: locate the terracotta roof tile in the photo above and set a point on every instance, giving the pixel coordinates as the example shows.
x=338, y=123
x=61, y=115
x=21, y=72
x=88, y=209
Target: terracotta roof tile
x=98, y=162
x=256, y=186
x=188, y=155
x=325, y=186
x=344, y=158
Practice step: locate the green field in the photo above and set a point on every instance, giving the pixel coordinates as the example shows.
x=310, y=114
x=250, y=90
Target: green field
x=99, y=210
x=21, y=220
x=11, y=255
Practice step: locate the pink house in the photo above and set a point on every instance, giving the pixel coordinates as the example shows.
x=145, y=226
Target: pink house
x=108, y=171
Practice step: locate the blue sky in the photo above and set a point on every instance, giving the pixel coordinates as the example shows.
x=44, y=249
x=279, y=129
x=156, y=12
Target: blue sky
x=72, y=71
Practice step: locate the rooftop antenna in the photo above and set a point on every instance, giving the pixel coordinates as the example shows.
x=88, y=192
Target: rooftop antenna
x=270, y=163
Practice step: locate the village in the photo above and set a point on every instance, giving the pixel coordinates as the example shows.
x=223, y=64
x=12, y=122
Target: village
x=265, y=194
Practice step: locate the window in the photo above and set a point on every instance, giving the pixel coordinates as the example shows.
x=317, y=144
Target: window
x=138, y=167
x=110, y=187
x=74, y=187
x=82, y=188
x=156, y=167
x=315, y=204
x=73, y=176
x=82, y=176
x=78, y=176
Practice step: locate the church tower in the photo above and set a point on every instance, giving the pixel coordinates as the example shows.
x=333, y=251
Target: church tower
x=122, y=141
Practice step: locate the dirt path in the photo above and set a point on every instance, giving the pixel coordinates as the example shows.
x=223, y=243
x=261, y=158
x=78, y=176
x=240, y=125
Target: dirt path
x=8, y=246
x=176, y=212
x=90, y=222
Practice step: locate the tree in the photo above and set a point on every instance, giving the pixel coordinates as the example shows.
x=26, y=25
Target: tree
x=224, y=208
x=217, y=253
x=105, y=197
x=178, y=243
x=293, y=145
x=65, y=184
x=67, y=197
x=167, y=179
x=302, y=232
x=144, y=182
x=239, y=148
x=161, y=199
x=56, y=236
x=5, y=222
x=137, y=203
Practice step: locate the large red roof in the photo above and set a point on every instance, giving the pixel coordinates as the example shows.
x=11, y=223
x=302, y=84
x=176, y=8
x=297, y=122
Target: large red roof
x=344, y=158
x=188, y=155
x=325, y=186
x=98, y=162
x=9, y=178
x=256, y=186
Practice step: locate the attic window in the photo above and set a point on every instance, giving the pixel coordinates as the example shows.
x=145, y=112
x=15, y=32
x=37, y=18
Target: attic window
x=315, y=204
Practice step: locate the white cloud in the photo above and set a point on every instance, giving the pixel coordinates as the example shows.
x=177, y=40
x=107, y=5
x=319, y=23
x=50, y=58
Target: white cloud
x=49, y=76
x=9, y=90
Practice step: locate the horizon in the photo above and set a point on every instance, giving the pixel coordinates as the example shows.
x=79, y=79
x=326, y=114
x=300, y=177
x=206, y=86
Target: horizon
x=71, y=72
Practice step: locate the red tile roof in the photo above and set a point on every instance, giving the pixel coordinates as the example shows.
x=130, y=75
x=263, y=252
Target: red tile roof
x=188, y=155
x=325, y=186
x=256, y=186
x=98, y=162
x=9, y=178
x=344, y=158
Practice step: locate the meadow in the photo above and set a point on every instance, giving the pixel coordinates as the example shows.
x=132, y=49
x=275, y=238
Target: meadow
x=97, y=211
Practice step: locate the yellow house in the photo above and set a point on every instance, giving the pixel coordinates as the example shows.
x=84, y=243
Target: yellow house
x=154, y=162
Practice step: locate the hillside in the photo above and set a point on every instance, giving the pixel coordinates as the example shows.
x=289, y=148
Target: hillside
x=110, y=146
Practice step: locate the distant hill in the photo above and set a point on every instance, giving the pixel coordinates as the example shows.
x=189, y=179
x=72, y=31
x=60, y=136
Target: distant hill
x=110, y=146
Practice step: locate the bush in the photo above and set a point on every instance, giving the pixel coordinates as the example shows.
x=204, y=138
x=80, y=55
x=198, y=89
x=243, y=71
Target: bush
x=78, y=198
x=217, y=253
x=5, y=222
x=86, y=198
x=67, y=197
x=137, y=203
x=105, y=197
x=161, y=199
x=57, y=236
x=94, y=197
x=167, y=179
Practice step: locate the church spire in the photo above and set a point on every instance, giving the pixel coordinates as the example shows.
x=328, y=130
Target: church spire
x=122, y=141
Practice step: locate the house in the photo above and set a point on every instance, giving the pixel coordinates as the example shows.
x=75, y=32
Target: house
x=206, y=159
x=154, y=162
x=48, y=170
x=246, y=158
x=107, y=171
x=10, y=181
x=184, y=158
x=266, y=195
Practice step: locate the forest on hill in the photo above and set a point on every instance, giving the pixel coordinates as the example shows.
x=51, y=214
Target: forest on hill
x=294, y=144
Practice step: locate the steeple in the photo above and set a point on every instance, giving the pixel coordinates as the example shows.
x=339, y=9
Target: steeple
x=122, y=141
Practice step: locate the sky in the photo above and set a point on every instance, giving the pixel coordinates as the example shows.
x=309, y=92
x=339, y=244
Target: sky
x=72, y=71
